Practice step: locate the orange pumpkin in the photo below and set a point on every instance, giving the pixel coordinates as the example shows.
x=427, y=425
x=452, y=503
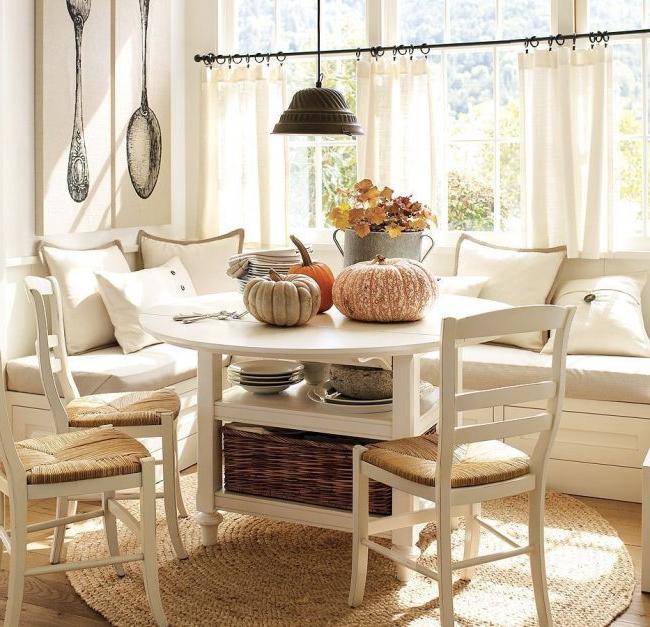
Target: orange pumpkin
x=318, y=271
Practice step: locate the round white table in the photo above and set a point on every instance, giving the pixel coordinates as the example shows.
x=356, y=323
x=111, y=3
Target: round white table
x=328, y=338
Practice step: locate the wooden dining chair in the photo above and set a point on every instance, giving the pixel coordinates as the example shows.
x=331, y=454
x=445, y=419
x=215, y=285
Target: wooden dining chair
x=139, y=414
x=458, y=467
x=102, y=461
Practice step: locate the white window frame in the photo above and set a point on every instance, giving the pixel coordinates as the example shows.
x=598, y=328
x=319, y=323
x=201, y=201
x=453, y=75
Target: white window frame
x=566, y=16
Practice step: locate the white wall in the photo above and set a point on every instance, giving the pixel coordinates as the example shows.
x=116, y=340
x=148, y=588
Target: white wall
x=17, y=217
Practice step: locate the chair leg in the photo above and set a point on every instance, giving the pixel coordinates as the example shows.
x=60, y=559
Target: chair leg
x=360, y=507
x=180, y=503
x=3, y=523
x=17, y=562
x=472, y=537
x=537, y=560
x=110, y=529
x=63, y=508
x=445, y=586
x=169, y=486
x=148, y=536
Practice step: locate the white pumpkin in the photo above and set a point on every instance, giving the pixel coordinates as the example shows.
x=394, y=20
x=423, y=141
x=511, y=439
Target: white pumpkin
x=384, y=290
x=283, y=301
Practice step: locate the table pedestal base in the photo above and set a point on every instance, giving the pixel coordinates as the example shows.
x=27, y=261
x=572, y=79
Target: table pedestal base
x=209, y=524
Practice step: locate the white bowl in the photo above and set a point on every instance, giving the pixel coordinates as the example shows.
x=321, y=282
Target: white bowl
x=267, y=368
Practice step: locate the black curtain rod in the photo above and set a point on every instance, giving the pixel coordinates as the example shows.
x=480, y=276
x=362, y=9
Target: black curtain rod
x=402, y=49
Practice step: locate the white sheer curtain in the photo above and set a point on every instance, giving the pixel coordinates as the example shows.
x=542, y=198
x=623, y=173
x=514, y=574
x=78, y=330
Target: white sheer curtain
x=242, y=164
x=401, y=109
x=567, y=149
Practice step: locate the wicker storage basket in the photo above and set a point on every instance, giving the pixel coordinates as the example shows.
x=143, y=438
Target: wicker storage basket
x=295, y=466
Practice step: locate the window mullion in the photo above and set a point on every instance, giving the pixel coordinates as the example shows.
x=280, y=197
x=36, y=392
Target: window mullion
x=495, y=144
x=644, y=149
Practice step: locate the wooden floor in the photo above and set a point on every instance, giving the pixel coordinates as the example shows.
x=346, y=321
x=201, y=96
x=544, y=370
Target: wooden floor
x=50, y=600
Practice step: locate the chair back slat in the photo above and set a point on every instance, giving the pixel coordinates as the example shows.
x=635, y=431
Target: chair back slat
x=50, y=347
x=508, y=322
x=505, y=429
x=457, y=332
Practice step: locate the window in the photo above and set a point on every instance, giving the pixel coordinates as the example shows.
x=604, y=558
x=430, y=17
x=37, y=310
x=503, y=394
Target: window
x=318, y=166
x=483, y=155
x=631, y=79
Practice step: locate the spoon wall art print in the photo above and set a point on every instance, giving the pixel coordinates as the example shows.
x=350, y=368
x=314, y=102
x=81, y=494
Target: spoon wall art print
x=143, y=136
x=78, y=177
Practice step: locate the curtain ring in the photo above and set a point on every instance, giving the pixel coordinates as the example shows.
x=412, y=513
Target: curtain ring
x=573, y=47
x=268, y=60
x=424, y=49
x=281, y=57
x=259, y=57
x=550, y=43
x=394, y=53
x=560, y=39
x=534, y=42
x=248, y=61
x=411, y=51
x=605, y=38
x=358, y=54
x=220, y=59
x=593, y=38
x=237, y=59
x=526, y=43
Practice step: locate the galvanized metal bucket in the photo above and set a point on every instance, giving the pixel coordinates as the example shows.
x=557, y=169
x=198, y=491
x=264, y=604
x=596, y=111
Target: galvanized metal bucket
x=407, y=245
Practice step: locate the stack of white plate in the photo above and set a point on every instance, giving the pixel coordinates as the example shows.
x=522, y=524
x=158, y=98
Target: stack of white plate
x=262, y=262
x=266, y=376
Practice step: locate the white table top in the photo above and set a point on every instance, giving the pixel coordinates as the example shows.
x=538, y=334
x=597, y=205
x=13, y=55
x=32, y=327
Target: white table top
x=328, y=334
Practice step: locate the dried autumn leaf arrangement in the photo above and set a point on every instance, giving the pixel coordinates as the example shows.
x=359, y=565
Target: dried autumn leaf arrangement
x=366, y=208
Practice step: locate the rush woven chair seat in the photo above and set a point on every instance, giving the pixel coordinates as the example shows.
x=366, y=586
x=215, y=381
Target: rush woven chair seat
x=79, y=455
x=128, y=409
x=149, y=414
x=461, y=466
x=474, y=464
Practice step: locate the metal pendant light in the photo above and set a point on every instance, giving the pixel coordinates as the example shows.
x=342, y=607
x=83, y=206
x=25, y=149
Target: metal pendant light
x=318, y=110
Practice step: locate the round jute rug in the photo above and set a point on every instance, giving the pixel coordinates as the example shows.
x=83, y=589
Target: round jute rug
x=264, y=572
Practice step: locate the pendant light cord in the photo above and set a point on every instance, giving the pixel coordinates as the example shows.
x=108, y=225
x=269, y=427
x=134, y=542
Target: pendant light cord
x=319, y=76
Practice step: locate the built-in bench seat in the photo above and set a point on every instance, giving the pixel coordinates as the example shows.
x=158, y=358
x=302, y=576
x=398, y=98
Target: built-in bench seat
x=593, y=377
x=110, y=370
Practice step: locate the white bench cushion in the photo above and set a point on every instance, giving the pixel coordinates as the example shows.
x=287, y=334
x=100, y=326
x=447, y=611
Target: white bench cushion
x=110, y=370
x=593, y=377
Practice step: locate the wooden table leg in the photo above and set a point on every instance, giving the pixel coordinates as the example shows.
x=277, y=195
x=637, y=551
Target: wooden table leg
x=209, y=471
x=645, y=525
x=406, y=412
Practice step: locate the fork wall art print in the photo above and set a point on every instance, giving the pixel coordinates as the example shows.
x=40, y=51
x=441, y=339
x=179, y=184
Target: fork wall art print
x=103, y=113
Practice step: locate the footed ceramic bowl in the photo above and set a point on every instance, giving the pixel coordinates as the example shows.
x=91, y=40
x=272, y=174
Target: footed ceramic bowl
x=361, y=382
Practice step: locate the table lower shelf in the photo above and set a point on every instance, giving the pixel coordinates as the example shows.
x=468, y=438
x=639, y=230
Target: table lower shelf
x=287, y=511
x=292, y=409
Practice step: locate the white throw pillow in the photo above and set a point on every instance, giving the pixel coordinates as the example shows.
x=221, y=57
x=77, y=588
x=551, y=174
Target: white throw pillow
x=86, y=322
x=126, y=294
x=206, y=260
x=517, y=276
x=609, y=319
x=461, y=285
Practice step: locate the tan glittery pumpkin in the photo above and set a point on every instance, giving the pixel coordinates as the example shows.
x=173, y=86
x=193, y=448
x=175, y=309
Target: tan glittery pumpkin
x=384, y=290
x=283, y=301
